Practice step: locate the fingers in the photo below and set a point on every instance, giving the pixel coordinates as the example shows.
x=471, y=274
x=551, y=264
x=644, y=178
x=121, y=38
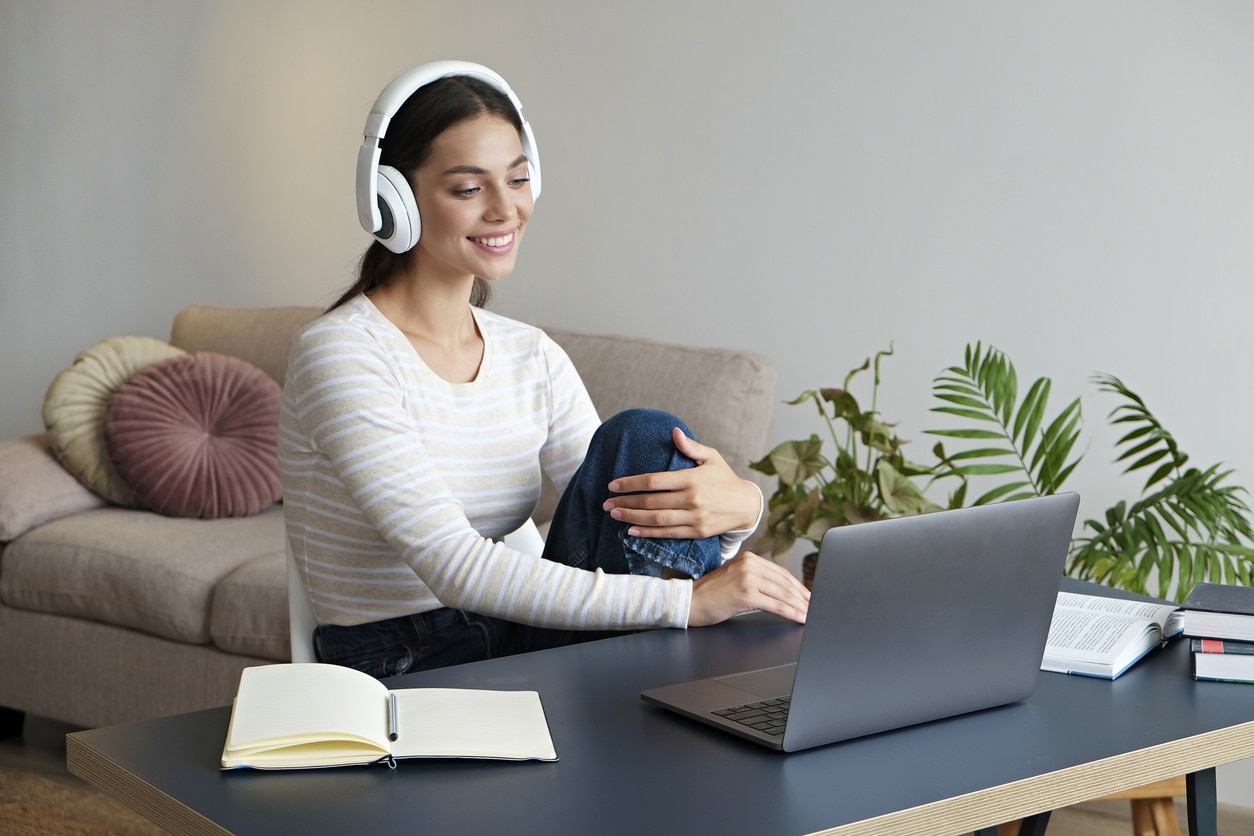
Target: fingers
x=702, y=501
x=690, y=447
x=669, y=523
x=669, y=516
x=746, y=583
x=668, y=480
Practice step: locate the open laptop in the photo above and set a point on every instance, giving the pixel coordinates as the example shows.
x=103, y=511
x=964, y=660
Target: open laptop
x=911, y=619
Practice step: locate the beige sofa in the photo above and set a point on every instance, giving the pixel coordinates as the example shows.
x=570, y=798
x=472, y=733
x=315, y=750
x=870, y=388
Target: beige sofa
x=110, y=615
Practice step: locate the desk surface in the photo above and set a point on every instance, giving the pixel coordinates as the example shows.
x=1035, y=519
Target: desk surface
x=628, y=767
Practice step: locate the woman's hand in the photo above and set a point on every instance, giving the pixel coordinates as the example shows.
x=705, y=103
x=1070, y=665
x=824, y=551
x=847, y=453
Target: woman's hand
x=746, y=583
x=702, y=501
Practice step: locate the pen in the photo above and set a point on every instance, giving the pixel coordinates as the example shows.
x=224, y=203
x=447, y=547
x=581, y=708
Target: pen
x=393, y=731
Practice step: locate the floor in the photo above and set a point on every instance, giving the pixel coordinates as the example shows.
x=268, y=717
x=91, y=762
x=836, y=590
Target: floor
x=41, y=750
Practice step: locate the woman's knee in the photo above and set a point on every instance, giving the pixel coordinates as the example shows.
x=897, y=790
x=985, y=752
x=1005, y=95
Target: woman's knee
x=642, y=424
x=640, y=441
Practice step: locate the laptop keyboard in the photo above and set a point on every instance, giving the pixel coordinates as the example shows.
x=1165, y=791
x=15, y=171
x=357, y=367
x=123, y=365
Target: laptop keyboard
x=769, y=716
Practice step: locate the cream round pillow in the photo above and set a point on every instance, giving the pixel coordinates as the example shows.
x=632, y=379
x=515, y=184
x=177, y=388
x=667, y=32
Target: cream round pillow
x=75, y=406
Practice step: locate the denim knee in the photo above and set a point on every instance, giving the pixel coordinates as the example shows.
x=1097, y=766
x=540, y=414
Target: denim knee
x=641, y=420
x=583, y=534
x=641, y=441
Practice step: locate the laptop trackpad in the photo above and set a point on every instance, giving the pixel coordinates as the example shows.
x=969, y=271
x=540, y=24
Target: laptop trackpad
x=765, y=682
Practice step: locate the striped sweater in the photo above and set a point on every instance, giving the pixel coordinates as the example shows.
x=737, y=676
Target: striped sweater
x=397, y=484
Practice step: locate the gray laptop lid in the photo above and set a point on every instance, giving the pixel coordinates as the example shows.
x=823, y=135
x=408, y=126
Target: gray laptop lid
x=911, y=619
x=929, y=616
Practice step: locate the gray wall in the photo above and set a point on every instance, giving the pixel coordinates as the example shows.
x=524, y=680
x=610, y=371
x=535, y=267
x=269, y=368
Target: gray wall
x=1072, y=182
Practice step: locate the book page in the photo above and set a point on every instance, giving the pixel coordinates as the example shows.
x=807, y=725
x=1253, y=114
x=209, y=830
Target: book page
x=1084, y=634
x=467, y=723
x=1167, y=616
x=287, y=704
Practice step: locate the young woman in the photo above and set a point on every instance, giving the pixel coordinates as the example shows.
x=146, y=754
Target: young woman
x=416, y=425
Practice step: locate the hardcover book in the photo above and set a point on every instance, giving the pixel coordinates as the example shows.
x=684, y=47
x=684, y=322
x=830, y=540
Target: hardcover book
x=1225, y=660
x=1220, y=611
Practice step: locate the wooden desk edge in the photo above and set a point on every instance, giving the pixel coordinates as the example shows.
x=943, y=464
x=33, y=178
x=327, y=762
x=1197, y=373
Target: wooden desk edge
x=120, y=783
x=1055, y=790
x=958, y=815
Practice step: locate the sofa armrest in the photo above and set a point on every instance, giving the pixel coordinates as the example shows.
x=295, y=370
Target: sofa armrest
x=36, y=489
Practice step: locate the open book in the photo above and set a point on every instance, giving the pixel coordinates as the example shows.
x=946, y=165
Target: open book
x=294, y=716
x=1099, y=636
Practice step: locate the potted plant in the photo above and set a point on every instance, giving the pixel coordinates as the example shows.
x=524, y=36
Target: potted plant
x=867, y=477
x=1188, y=525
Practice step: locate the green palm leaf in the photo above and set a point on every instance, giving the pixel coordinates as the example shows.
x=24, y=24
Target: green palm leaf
x=985, y=389
x=1191, y=527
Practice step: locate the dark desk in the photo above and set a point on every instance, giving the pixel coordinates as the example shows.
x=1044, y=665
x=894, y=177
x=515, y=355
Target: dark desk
x=627, y=767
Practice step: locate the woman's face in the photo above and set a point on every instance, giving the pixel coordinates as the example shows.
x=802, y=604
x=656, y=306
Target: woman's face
x=474, y=199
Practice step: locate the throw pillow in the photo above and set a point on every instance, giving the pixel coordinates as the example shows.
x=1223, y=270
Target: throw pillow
x=35, y=488
x=74, y=409
x=198, y=436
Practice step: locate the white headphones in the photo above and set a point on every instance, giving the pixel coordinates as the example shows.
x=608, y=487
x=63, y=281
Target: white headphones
x=386, y=205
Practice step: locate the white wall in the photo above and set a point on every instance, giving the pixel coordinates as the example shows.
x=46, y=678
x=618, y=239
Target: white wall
x=1071, y=182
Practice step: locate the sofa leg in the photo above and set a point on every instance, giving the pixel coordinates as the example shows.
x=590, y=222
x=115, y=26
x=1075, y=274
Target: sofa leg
x=11, y=721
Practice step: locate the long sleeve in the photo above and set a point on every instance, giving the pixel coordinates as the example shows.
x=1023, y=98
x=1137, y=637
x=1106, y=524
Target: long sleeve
x=396, y=483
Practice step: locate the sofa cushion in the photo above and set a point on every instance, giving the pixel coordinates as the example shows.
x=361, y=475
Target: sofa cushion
x=198, y=436
x=134, y=568
x=36, y=488
x=262, y=336
x=75, y=404
x=249, y=611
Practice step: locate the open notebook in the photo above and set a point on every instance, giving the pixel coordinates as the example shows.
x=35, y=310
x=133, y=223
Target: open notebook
x=301, y=715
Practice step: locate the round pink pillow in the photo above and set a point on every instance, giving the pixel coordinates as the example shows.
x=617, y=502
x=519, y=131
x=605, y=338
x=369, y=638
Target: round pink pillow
x=198, y=436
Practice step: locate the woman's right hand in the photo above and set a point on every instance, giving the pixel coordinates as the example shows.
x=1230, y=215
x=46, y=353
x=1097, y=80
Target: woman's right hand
x=744, y=584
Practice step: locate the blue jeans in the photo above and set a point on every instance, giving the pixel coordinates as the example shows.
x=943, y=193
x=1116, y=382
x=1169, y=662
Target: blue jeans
x=582, y=534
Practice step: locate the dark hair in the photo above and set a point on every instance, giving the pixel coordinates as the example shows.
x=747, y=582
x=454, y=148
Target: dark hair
x=427, y=113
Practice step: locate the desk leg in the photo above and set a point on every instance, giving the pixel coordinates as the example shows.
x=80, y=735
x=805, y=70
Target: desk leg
x=1031, y=826
x=1202, y=803
x=1034, y=825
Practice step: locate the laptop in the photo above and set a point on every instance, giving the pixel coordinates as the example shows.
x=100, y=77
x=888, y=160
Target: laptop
x=911, y=619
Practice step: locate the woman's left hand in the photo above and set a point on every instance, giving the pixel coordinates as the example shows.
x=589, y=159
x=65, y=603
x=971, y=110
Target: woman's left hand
x=702, y=501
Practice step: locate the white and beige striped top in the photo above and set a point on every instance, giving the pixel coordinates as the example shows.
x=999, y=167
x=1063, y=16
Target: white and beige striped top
x=397, y=484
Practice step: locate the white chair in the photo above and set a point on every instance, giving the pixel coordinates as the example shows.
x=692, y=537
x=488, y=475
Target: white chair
x=526, y=539
x=301, y=621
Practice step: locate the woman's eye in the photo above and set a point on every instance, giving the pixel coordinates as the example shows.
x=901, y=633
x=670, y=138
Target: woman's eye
x=467, y=192
x=519, y=181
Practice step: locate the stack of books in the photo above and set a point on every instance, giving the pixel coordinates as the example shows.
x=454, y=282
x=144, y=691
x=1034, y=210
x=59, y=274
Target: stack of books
x=1219, y=620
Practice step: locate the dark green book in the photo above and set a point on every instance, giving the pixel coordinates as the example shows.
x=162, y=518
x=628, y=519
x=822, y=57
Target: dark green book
x=1219, y=611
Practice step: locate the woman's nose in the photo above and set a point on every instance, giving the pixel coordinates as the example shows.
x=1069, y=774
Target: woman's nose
x=501, y=206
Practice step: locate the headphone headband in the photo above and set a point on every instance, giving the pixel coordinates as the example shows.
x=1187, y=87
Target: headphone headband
x=376, y=185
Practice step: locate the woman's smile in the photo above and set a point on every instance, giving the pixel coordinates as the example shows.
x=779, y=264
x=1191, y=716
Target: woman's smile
x=497, y=244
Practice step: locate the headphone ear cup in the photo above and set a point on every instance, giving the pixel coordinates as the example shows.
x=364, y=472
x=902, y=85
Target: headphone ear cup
x=401, y=224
